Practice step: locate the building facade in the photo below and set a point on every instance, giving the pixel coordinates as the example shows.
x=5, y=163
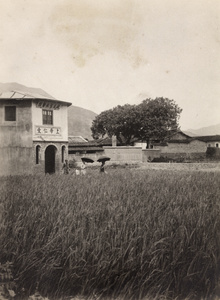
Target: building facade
x=181, y=146
x=33, y=131
x=211, y=140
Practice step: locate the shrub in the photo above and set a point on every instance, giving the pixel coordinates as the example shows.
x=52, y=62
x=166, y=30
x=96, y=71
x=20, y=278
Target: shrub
x=72, y=163
x=162, y=159
x=212, y=152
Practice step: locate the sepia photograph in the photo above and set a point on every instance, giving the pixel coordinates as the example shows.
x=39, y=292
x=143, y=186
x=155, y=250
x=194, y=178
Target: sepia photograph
x=110, y=150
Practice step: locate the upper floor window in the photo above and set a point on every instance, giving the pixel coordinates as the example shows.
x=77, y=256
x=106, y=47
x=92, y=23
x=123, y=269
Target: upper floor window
x=217, y=145
x=47, y=117
x=10, y=113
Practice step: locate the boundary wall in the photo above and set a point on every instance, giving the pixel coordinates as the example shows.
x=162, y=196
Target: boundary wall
x=124, y=154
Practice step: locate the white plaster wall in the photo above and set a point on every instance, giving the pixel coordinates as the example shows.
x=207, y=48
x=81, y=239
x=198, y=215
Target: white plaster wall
x=143, y=145
x=213, y=144
x=60, y=119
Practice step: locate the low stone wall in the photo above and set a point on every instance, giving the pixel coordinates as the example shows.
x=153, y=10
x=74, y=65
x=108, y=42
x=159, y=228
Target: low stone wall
x=123, y=154
x=132, y=155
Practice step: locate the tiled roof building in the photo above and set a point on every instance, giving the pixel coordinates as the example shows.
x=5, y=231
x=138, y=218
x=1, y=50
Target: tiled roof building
x=33, y=131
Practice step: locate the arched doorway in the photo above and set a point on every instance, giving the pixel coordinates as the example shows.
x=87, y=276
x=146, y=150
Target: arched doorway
x=50, y=154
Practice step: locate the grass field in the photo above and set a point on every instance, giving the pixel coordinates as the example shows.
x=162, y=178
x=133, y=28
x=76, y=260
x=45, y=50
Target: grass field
x=129, y=234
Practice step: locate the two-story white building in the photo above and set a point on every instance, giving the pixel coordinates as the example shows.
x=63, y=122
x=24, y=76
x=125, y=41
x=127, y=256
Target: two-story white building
x=33, y=131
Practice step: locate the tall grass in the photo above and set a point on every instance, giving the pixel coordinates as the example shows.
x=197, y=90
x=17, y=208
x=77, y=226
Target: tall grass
x=130, y=234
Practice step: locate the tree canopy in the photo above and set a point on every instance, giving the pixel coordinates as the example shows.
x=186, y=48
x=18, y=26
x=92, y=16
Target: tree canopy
x=151, y=119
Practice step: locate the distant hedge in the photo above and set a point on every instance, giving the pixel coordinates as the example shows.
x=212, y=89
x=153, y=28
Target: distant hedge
x=213, y=152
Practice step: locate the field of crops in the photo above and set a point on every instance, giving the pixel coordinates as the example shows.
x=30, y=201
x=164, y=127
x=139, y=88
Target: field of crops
x=128, y=234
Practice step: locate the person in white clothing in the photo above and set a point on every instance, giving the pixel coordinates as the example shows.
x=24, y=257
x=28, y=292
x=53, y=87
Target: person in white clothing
x=83, y=168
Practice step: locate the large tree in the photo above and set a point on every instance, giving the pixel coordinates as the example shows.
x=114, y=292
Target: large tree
x=158, y=118
x=152, y=119
x=121, y=121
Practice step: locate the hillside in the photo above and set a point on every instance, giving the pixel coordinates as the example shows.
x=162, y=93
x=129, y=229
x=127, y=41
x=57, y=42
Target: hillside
x=210, y=130
x=80, y=121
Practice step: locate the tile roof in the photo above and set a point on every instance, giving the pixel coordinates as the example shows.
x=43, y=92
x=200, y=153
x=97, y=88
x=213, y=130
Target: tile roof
x=179, y=132
x=76, y=140
x=209, y=138
x=186, y=141
x=106, y=141
x=81, y=148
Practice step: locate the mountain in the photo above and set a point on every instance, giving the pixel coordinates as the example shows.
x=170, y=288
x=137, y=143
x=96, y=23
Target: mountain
x=80, y=121
x=210, y=130
x=188, y=132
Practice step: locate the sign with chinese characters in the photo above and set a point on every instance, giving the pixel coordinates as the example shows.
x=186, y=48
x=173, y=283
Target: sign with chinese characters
x=48, y=105
x=44, y=130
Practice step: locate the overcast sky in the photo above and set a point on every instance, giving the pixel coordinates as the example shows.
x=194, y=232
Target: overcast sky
x=98, y=54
